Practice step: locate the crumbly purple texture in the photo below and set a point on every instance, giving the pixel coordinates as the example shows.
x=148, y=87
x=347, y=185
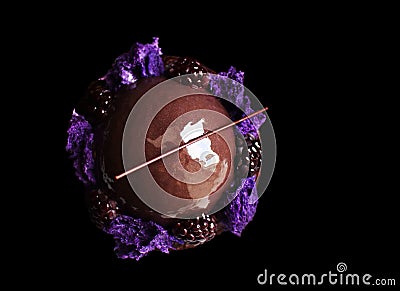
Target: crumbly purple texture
x=142, y=60
x=235, y=93
x=135, y=238
x=79, y=146
x=242, y=208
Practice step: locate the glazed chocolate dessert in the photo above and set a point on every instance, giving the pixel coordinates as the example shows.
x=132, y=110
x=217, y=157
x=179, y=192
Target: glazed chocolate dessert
x=101, y=143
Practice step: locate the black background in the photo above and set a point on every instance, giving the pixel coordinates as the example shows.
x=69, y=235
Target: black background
x=324, y=77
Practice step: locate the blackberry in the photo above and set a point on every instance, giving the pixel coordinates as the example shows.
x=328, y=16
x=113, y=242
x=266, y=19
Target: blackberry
x=254, y=157
x=97, y=102
x=178, y=66
x=102, y=209
x=196, y=231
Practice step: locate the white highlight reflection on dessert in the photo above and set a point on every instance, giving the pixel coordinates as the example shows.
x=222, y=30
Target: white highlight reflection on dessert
x=200, y=150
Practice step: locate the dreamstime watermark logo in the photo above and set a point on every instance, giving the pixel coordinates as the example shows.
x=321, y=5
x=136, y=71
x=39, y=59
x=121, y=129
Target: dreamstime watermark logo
x=338, y=277
x=341, y=267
